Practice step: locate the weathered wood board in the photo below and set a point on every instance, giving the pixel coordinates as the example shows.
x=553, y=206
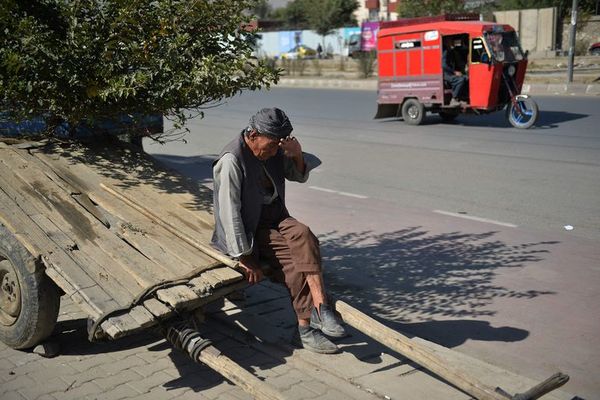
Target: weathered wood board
x=110, y=224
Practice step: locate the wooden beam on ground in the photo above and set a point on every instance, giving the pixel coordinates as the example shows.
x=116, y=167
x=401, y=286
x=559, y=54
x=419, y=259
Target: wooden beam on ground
x=238, y=375
x=431, y=361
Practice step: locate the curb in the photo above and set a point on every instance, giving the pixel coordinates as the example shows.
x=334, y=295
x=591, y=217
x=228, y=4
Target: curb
x=370, y=84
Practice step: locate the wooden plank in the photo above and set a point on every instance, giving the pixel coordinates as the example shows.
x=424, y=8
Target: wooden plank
x=226, y=275
x=184, y=258
x=190, y=259
x=214, y=278
x=137, y=319
x=415, y=352
x=154, y=250
x=85, y=253
x=119, y=326
x=132, y=322
x=60, y=267
x=149, y=181
x=86, y=228
x=93, y=264
x=142, y=316
x=158, y=309
x=177, y=230
x=238, y=375
x=179, y=296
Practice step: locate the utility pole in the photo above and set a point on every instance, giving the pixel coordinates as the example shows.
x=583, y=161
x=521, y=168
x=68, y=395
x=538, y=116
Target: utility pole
x=572, y=33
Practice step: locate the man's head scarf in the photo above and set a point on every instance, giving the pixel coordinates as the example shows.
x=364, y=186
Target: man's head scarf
x=272, y=122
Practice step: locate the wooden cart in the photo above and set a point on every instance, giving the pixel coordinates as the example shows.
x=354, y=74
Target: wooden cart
x=127, y=240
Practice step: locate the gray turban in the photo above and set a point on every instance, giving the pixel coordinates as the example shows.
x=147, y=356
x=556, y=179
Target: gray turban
x=273, y=122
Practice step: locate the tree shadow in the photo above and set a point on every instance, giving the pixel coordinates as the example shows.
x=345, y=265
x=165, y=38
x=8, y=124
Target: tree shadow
x=411, y=274
x=131, y=168
x=198, y=168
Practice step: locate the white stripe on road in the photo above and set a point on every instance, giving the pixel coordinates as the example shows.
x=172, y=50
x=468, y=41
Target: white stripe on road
x=473, y=218
x=358, y=196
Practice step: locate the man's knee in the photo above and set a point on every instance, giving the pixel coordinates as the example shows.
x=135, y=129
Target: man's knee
x=299, y=231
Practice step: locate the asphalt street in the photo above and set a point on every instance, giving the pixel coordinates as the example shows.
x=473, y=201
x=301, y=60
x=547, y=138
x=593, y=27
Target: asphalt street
x=474, y=235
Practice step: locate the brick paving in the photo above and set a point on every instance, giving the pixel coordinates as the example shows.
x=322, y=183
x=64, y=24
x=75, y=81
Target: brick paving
x=254, y=333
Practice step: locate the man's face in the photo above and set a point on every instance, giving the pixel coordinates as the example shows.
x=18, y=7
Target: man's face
x=263, y=146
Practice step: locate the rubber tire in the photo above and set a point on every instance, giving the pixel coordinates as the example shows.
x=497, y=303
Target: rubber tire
x=448, y=116
x=595, y=51
x=40, y=298
x=535, y=114
x=420, y=111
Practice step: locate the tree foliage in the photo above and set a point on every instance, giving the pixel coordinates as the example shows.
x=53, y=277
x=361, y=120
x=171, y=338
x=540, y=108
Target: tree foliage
x=322, y=16
x=81, y=60
x=326, y=15
x=262, y=9
x=420, y=8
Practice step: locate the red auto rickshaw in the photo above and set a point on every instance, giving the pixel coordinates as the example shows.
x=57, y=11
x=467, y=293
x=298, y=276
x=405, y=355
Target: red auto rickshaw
x=411, y=80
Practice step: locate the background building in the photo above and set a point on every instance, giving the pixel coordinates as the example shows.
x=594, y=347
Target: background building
x=376, y=10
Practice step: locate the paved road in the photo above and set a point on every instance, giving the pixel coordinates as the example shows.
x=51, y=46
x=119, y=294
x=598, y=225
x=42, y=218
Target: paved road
x=543, y=178
x=452, y=232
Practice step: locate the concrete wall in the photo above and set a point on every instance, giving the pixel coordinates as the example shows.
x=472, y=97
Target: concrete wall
x=588, y=34
x=536, y=28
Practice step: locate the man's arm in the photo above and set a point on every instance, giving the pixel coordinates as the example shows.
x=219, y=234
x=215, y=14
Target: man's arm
x=228, y=179
x=446, y=67
x=297, y=164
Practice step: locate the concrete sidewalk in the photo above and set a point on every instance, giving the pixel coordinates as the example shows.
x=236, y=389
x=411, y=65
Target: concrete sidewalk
x=371, y=85
x=256, y=334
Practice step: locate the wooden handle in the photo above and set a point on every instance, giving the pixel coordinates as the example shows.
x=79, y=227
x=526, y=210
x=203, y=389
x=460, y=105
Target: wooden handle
x=415, y=352
x=238, y=375
x=554, y=382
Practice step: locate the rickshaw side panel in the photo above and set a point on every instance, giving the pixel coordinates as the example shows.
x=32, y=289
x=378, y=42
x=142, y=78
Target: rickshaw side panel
x=484, y=83
x=409, y=67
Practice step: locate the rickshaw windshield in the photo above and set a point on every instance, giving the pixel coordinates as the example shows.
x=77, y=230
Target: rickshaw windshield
x=504, y=46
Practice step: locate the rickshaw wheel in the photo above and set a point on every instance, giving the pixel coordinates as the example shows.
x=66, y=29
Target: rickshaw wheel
x=523, y=113
x=413, y=111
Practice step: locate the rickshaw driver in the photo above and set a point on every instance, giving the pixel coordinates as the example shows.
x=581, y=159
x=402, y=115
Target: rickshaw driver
x=252, y=221
x=453, y=65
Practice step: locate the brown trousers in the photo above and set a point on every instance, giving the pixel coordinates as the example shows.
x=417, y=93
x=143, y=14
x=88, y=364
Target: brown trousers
x=292, y=250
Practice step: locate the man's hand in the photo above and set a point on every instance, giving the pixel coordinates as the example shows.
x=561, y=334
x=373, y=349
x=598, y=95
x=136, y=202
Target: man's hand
x=292, y=149
x=251, y=269
x=458, y=73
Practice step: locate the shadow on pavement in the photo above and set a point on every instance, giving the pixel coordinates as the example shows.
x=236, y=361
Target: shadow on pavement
x=453, y=333
x=72, y=337
x=198, y=168
x=440, y=280
x=546, y=120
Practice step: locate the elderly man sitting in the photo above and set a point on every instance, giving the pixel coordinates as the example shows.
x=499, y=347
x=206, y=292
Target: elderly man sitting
x=252, y=221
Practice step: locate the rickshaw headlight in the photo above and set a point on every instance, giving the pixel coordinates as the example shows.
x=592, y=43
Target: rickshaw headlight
x=511, y=70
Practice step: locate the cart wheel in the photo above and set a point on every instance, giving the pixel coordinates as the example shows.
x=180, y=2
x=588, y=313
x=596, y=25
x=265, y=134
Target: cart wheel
x=523, y=113
x=29, y=302
x=448, y=116
x=413, y=112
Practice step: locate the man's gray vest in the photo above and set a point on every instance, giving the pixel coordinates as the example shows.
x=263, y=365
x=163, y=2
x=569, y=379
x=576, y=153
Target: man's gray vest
x=252, y=198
